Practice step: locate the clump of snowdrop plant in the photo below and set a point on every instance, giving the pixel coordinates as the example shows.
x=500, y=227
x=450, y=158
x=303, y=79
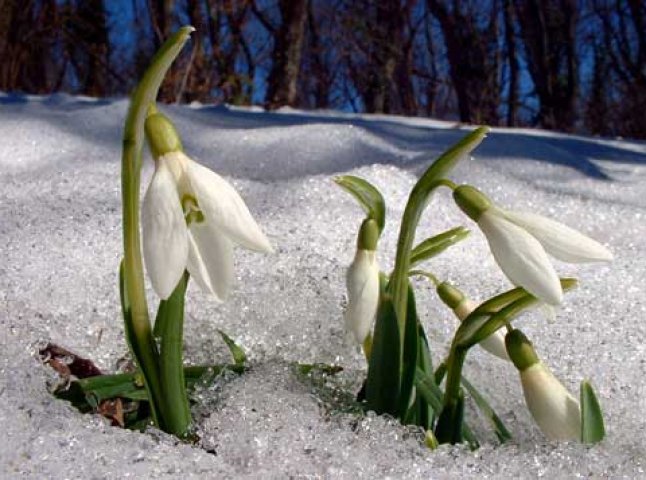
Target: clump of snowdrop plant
x=191, y=219
x=402, y=379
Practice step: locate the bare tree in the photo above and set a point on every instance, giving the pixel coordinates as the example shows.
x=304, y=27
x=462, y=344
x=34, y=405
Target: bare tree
x=31, y=56
x=289, y=38
x=623, y=27
x=473, y=55
x=512, y=60
x=86, y=40
x=549, y=34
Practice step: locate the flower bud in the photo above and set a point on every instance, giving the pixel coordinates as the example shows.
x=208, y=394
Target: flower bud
x=556, y=412
x=368, y=235
x=462, y=307
x=471, y=201
x=161, y=135
x=362, y=282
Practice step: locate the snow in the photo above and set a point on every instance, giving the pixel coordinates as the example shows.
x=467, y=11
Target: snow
x=60, y=248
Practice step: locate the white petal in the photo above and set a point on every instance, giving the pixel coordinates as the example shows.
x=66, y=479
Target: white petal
x=559, y=240
x=554, y=409
x=494, y=343
x=165, y=243
x=223, y=206
x=210, y=260
x=521, y=258
x=363, y=294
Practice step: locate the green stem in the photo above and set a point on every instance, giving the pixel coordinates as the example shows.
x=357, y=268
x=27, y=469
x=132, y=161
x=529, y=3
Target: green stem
x=454, y=365
x=137, y=323
x=450, y=423
x=417, y=201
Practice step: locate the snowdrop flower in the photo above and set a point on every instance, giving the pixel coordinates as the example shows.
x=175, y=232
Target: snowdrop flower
x=191, y=217
x=462, y=306
x=556, y=412
x=362, y=281
x=520, y=243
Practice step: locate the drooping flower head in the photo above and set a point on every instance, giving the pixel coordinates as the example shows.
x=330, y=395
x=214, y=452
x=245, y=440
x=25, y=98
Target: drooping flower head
x=191, y=218
x=362, y=281
x=520, y=243
x=556, y=412
x=462, y=307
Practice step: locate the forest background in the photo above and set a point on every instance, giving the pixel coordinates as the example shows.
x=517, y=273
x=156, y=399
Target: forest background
x=567, y=65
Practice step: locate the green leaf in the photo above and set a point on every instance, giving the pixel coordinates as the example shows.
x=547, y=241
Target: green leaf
x=169, y=331
x=440, y=373
x=239, y=357
x=383, y=382
x=370, y=199
x=435, y=245
x=430, y=391
x=496, y=313
x=450, y=422
x=592, y=426
x=409, y=359
x=497, y=424
x=427, y=388
x=426, y=413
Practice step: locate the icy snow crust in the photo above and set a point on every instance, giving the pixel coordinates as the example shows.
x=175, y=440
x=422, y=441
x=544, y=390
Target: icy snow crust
x=60, y=247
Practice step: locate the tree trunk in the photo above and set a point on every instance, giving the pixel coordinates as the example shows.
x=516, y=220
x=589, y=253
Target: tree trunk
x=288, y=46
x=473, y=61
x=548, y=31
x=510, y=42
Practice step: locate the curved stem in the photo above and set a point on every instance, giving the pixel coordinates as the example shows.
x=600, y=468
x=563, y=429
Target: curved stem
x=137, y=322
x=417, y=201
x=422, y=273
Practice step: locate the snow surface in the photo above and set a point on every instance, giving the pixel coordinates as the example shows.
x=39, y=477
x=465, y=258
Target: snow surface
x=60, y=245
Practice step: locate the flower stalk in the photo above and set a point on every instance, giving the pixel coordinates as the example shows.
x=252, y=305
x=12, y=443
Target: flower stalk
x=417, y=202
x=137, y=321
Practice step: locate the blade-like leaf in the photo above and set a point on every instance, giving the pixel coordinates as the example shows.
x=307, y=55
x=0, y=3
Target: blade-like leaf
x=430, y=391
x=367, y=195
x=435, y=245
x=409, y=359
x=450, y=422
x=427, y=388
x=440, y=373
x=169, y=330
x=479, y=325
x=497, y=424
x=592, y=426
x=238, y=354
x=383, y=382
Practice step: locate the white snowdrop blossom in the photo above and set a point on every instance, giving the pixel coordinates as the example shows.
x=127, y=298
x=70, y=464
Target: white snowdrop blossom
x=191, y=218
x=520, y=243
x=362, y=281
x=556, y=412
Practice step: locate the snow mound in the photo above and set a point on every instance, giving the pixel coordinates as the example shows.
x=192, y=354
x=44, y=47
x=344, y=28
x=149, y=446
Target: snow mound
x=61, y=243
